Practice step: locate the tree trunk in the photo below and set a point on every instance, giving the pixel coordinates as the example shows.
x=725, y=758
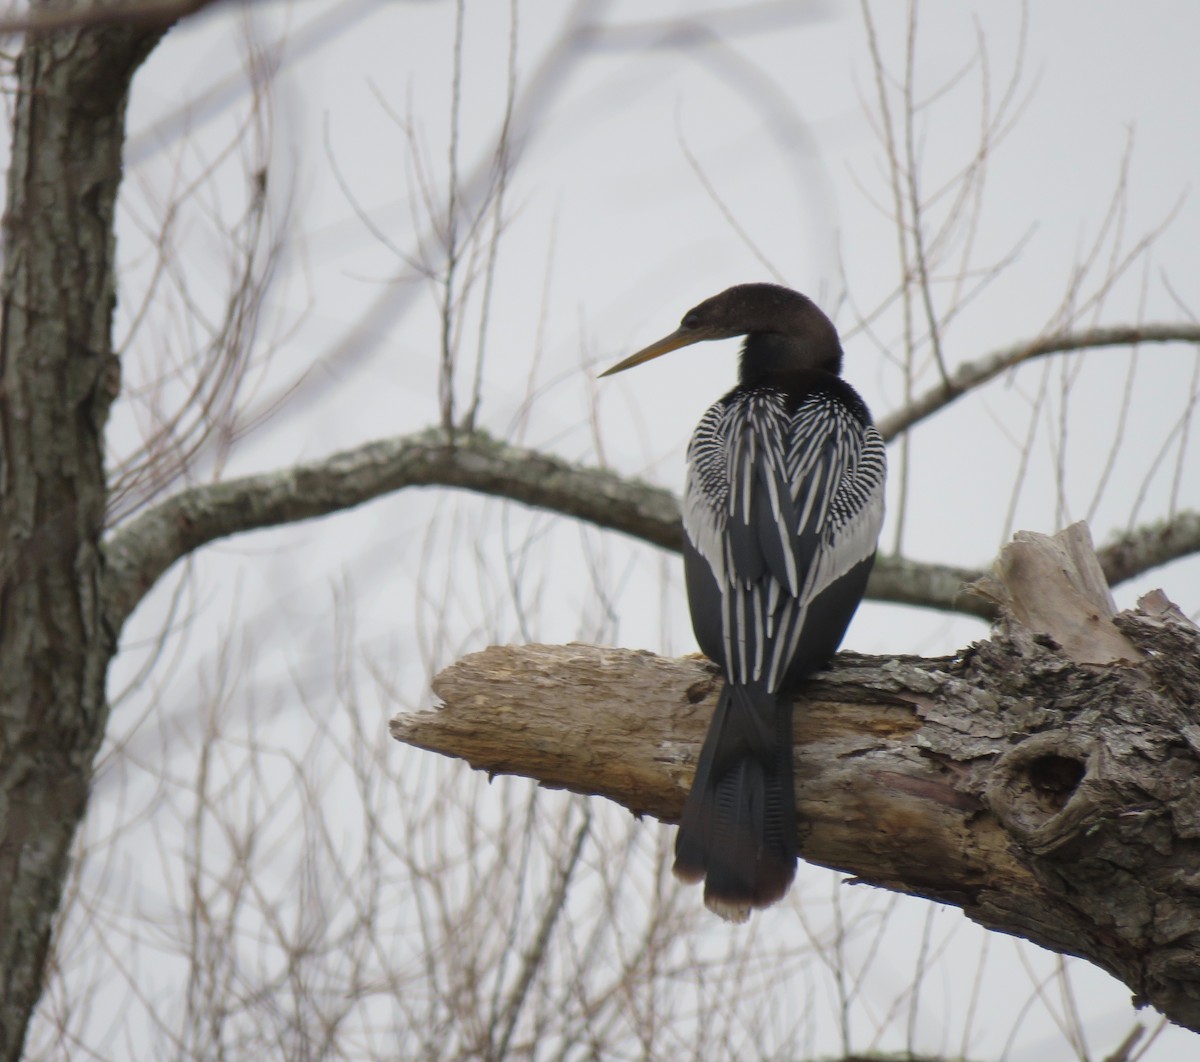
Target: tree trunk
x=1046, y=781
x=58, y=376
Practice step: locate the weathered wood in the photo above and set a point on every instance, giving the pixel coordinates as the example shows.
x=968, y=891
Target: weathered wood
x=1055, y=586
x=1054, y=800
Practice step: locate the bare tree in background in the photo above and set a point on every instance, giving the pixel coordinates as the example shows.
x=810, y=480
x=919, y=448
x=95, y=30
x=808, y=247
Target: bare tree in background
x=444, y=917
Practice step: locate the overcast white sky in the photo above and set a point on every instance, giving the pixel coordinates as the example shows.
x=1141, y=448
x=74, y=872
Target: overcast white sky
x=612, y=235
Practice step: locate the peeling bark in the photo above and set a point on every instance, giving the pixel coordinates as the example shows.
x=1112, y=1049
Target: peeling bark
x=1054, y=800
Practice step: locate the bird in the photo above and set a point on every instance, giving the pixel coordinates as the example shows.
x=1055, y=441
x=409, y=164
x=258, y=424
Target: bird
x=782, y=510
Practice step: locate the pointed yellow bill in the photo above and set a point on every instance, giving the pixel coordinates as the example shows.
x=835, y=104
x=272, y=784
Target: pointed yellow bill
x=681, y=337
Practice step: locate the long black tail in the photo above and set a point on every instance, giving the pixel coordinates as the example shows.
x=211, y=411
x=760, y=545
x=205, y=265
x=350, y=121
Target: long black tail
x=738, y=830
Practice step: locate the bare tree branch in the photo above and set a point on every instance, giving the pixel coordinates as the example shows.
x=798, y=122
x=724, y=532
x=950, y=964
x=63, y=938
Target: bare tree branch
x=923, y=584
x=975, y=374
x=1142, y=548
x=142, y=550
x=1047, y=797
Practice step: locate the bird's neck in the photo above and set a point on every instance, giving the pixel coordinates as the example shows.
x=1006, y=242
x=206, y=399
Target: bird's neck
x=770, y=359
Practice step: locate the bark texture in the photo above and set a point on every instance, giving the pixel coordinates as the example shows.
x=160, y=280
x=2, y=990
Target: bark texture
x=58, y=376
x=1048, y=796
x=141, y=550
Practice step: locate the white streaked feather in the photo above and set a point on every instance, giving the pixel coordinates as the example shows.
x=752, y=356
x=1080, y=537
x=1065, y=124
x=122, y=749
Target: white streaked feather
x=842, y=506
x=785, y=648
x=772, y=605
x=759, y=621
x=727, y=625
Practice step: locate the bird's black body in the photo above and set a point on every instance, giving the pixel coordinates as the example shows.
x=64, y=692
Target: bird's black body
x=782, y=510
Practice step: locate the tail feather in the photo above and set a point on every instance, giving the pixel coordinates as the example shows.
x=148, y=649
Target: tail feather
x=738, y=831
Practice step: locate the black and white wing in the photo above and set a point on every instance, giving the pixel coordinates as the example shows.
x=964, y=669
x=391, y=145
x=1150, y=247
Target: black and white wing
x=784, y=506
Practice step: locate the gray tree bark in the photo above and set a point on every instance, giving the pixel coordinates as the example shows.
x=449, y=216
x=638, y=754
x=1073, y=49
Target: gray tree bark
x=58, y=376
x=1046, y=780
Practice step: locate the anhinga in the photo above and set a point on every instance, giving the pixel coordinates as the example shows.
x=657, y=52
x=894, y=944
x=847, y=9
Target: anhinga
x=782, y=511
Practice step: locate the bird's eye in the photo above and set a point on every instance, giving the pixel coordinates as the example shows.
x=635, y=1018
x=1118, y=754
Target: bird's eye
x=691, y=320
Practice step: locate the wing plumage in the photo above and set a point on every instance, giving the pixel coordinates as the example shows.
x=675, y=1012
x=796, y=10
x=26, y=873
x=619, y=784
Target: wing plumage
x=781, y=503
x=782, y=510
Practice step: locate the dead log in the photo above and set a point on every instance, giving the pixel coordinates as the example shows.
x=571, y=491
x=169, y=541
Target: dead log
x=1045, y=780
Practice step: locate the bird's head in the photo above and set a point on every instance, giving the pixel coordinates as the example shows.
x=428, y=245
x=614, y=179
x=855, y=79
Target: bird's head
x=785, y=332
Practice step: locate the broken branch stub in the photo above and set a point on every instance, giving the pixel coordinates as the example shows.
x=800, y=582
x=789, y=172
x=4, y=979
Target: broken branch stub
x=1054, y=585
